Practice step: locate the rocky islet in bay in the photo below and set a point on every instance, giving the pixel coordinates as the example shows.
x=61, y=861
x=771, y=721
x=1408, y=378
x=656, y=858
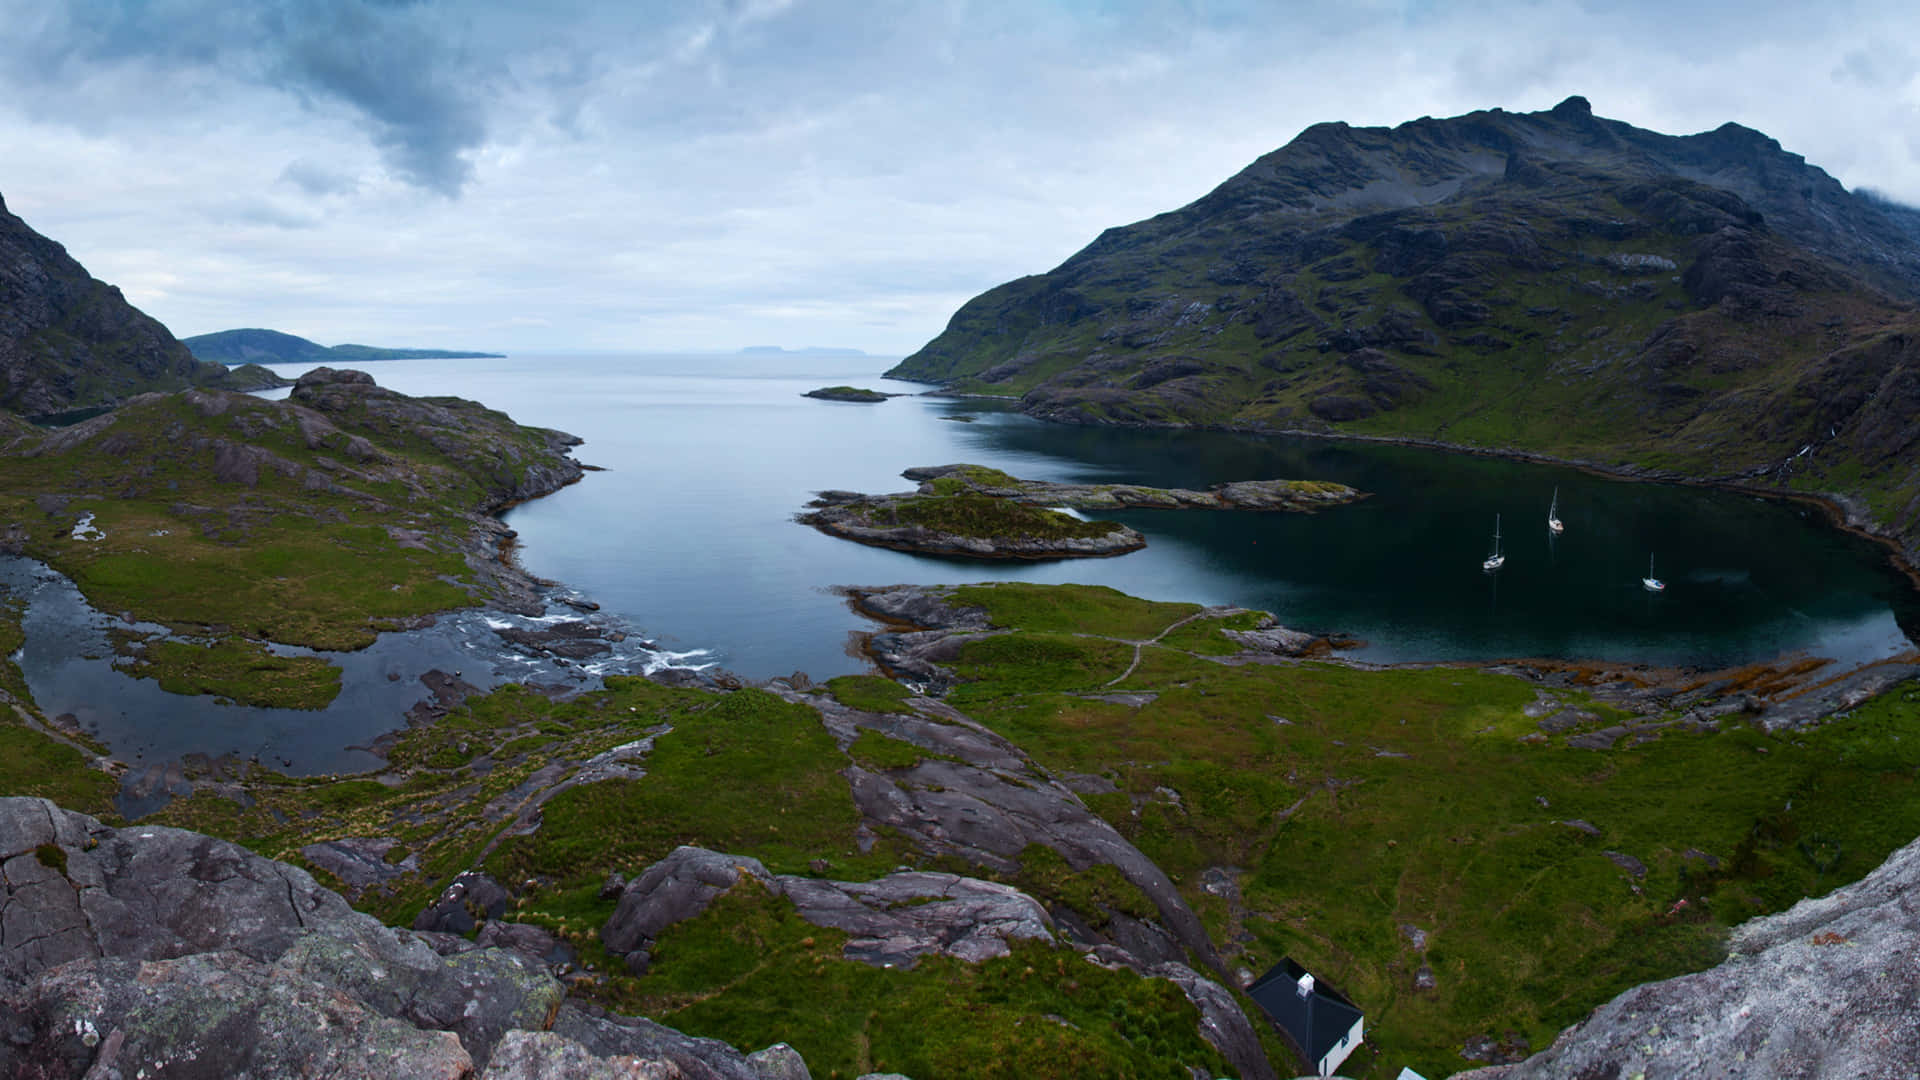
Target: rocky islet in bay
x=977, y=512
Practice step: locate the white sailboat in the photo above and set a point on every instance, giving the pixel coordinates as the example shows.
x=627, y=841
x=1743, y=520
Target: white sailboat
x=1553, y=515
x=1497, y=559
x=1651, y=583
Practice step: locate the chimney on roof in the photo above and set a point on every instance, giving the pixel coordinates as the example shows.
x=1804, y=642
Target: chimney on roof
x=1306, y=985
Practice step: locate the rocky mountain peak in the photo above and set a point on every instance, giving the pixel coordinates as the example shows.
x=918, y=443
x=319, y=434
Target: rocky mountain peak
x=69, y=341
x=1574, y=108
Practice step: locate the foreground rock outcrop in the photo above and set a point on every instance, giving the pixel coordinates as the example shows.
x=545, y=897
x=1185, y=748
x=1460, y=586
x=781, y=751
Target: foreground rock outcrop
x=163, y=953
x=1828, y=988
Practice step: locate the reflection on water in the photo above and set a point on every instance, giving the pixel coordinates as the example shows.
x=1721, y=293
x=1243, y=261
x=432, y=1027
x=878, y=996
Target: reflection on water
x=68, y=661
x=690, y=535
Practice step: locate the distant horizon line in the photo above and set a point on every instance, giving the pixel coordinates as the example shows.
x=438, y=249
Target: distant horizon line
x=746, y=351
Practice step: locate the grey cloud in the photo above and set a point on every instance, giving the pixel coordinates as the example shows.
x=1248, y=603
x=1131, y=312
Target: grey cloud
x=397, y=64
x=1882, y=66
x=316, y=179
x=261, y=212
x=412, y=86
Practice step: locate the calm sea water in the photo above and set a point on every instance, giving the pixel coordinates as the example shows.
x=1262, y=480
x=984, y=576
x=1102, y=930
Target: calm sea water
x=689, y=532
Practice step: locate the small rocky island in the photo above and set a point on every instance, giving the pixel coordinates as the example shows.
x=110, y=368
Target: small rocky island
x=983, y=513
x=857, y=394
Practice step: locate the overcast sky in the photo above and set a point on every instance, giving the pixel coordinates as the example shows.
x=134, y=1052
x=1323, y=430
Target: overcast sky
x=717, y=173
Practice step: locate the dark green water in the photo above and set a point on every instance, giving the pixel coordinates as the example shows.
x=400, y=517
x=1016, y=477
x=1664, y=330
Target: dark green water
x=689, y=533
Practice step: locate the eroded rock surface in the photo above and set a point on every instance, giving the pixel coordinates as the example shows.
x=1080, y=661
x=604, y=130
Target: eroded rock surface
x=891, y=922
x=162, y=950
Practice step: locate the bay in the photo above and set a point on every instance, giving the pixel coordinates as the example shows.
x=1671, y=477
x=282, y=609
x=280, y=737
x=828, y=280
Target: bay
x=689, y=532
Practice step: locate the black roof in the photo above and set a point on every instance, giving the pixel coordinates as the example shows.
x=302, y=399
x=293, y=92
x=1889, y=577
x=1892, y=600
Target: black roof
x=1316, y=1020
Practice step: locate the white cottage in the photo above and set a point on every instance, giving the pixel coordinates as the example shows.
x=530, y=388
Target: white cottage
x=1322, y=1022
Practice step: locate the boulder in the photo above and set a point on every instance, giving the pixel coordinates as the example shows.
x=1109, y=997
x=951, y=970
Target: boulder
x=470, y=900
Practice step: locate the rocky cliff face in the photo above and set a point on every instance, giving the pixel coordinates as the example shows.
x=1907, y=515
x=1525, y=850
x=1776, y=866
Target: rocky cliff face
x=68, y=341
x=1708, y=305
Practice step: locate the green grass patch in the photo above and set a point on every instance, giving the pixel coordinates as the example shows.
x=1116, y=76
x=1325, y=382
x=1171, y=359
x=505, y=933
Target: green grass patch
x=240, y=671
x=1083, y=609
x=877, y=751
x=870, y=693
x=1206, y=636
x=989, y=517
x=744, y=772
x=33, y=764
x=1097, y=893
x=1025, y=663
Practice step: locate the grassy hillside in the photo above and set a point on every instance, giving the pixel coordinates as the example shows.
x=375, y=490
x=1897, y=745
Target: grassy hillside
x=319, y=521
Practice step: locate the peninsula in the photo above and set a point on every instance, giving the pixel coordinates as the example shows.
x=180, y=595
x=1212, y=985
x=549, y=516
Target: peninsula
x=983, y=513
x=256, y=346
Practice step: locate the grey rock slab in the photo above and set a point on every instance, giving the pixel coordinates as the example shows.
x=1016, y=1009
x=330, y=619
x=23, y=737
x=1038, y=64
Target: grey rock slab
x=779, y=1062
x=1628, y=863
x=1277, y=640
x=891, y=922
x=607, y=1036
x=989, y=817
x=359, y=861
x=470, y=899
x=146, y=893
x=532, y=942
x=478, y=995
x=221, y=1014
x=543, y=1055
x=677, y=888
x=1597, y=740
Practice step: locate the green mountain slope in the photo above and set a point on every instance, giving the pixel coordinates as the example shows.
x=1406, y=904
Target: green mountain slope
x=1555, y=283
x=256, y=346
x=71, y=342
